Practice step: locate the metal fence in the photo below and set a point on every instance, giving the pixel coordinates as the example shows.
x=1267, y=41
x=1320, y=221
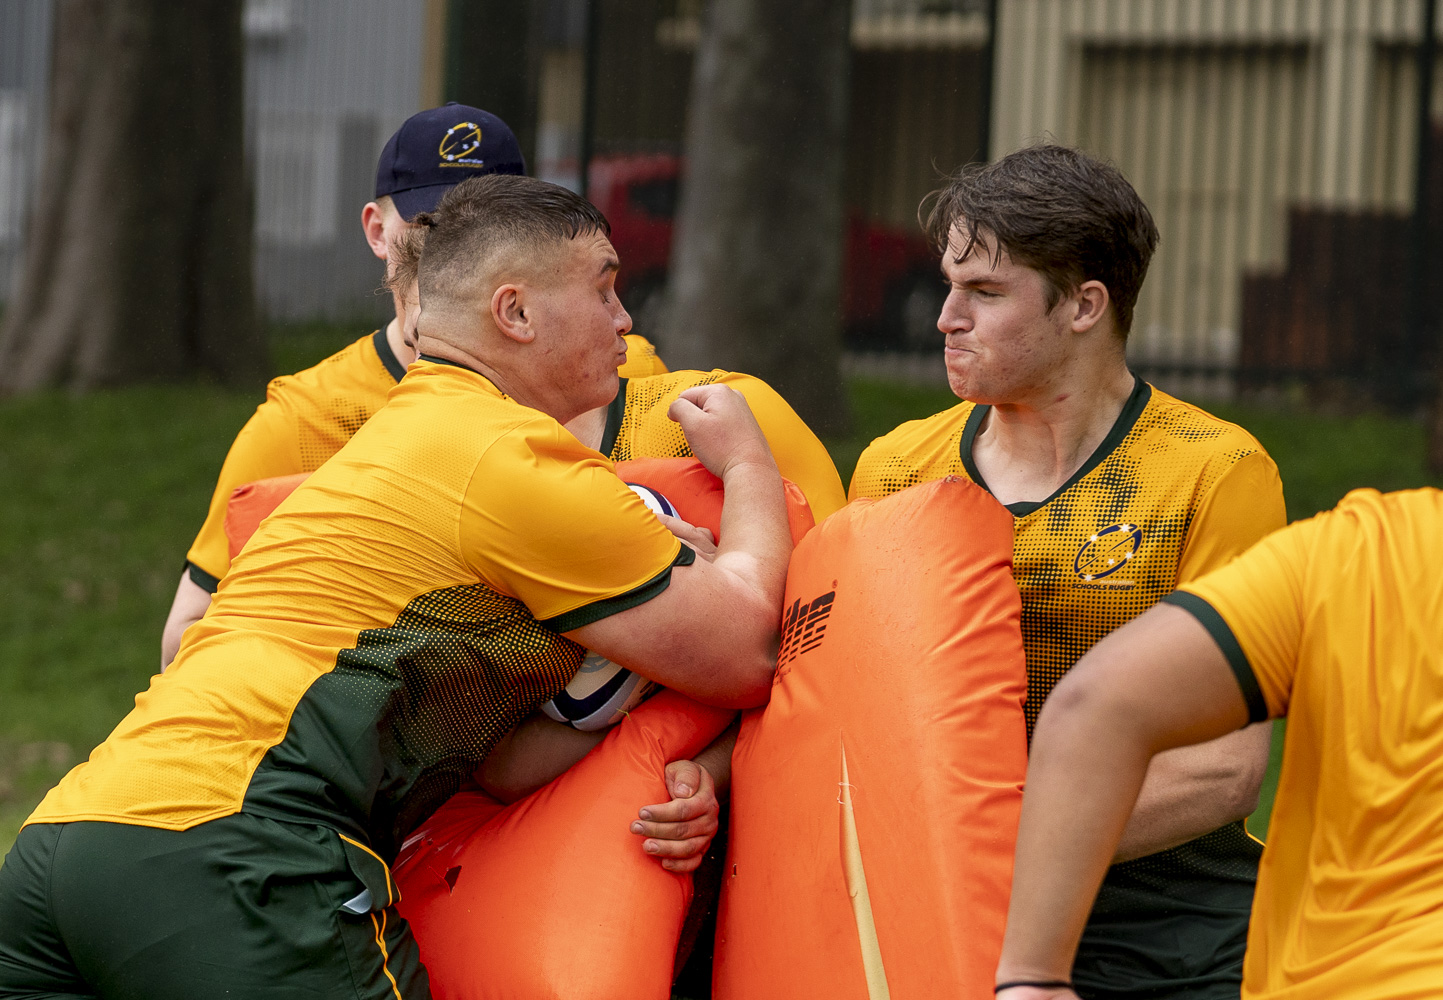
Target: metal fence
x=1232, y=117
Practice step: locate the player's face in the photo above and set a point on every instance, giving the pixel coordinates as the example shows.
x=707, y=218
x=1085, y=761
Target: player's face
x=582, y=323
x=1003, y=344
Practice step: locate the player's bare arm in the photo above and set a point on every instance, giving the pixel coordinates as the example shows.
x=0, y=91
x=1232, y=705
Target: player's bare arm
x=188, y=607
x=1157, y=683
x=678, y=832
x=1191, y=791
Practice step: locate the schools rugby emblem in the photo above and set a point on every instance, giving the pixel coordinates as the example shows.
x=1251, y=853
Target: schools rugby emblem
x=1108, y=551
x=459, y=143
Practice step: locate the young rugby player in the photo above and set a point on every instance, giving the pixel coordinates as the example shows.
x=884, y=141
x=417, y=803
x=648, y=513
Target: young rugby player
x=1120, y=493
x=636, y=424
x=437, y=579
x=306, y=417
x=1335, y=623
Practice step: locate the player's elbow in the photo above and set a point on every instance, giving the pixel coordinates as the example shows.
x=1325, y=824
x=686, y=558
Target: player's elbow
x=1081, y=704
x=1244, y=782
x=751, y=679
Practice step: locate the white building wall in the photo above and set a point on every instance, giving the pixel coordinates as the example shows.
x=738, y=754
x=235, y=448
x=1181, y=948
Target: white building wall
x=1223, y=114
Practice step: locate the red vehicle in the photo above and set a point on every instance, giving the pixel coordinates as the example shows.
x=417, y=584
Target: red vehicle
x=892, y=290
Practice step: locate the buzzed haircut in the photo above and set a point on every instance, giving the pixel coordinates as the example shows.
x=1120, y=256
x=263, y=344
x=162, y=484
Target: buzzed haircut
x=1068, y=216
x=486, y=218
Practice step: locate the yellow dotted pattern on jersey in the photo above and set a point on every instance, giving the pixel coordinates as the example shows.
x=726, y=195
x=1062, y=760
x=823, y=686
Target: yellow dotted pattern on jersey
x=331, y=417
x=642, y=434
x=1154, y=480
x=457, y=671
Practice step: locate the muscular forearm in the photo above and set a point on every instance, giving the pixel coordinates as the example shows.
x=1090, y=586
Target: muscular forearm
x=531, y=755
x=1194, y=790
x=1083, y=774
x=717, y=759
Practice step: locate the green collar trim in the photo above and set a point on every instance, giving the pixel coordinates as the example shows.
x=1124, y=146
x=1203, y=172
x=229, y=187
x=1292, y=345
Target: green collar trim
x=614, y=414
x=388, y=356
x=1136, y=402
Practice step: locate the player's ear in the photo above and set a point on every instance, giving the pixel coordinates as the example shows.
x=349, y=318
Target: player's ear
x=510, y=313
x=373, y=223
x=1089, y=303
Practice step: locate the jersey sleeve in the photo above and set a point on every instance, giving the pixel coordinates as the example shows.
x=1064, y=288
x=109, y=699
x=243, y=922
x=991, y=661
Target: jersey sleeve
x=1242, y=507
x=1254, y=608
x=641, y=359
x=549, y=523
x=265, y=447
x=800, y=454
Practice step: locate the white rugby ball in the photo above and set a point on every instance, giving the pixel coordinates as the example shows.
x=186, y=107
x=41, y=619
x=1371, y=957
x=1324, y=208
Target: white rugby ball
x=655, y=502
x=599, y=695
x=603, y=692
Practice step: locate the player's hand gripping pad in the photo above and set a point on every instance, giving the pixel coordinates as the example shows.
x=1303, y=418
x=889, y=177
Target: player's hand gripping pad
x=875, y=799
x=553, y=896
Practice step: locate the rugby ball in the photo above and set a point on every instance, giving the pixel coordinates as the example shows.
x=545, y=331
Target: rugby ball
x=599, y=695
x=655, y=502
x=603, y=692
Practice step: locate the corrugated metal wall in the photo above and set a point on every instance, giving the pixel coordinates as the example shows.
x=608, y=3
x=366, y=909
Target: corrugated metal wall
x=1223, y=114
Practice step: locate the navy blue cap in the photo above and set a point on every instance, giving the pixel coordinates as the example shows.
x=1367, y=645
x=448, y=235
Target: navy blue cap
x=435, y=150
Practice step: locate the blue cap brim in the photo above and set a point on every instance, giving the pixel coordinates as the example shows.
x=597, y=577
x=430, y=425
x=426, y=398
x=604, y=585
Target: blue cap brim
x=413, y=201
x=421, y=199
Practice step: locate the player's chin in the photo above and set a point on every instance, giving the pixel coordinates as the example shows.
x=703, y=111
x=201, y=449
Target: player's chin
x=606, y=389
x=960, y=376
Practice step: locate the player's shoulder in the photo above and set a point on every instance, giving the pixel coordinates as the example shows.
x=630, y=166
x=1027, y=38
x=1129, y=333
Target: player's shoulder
x=923, y=438
x=912, y=452
x=1418, y=510
x=1188, y=425
x=361, y=364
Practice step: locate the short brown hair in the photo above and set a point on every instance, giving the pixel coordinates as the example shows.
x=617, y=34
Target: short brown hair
x=484, y=216
x=403, y=258
x=1066, y=215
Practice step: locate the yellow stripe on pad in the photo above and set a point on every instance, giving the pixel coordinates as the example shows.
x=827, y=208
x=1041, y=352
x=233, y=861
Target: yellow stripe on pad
x=856, y=878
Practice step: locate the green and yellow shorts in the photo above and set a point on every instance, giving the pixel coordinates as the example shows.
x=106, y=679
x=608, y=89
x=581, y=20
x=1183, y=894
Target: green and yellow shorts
x=241, y=907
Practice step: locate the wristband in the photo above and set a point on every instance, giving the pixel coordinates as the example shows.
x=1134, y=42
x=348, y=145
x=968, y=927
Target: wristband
x=1041, y=984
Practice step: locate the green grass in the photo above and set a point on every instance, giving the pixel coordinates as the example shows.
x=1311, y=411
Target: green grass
x=103, y=493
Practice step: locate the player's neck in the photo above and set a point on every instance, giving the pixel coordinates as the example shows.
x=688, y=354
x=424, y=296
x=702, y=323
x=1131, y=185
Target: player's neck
x=397, y=342
x=590, y=427
x=1026, y=450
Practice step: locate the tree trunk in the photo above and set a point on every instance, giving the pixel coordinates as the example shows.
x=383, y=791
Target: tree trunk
x=1434, y=456
x=138, y=257
x=756, y=266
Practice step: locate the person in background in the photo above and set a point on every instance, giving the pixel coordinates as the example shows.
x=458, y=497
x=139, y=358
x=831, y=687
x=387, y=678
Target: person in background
x=308, y=416
x=1120, y=493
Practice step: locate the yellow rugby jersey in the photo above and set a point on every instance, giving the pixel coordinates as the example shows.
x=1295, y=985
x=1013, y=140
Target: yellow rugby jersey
x=395, y=616
x=1337, y=623
x=305, y=419
x=1171, y=493
x=637, y=426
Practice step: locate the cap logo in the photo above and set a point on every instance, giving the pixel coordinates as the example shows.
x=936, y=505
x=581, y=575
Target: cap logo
x=460, y=141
